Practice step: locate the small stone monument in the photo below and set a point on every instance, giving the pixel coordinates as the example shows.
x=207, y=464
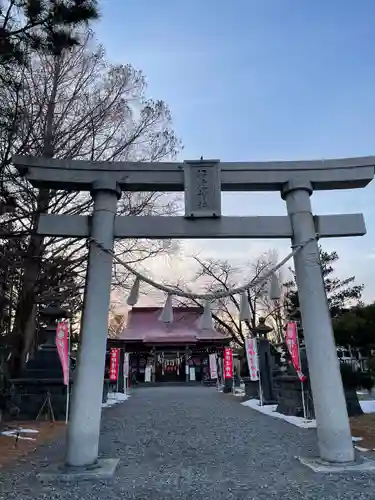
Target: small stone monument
x=288, y=388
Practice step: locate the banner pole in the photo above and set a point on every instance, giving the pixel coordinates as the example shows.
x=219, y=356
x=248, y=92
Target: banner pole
x=217, y=373
x=118, y=371
x=124, y=375
x=126, y=371
x=220, y=373
x=300, y=367
x=68, y=384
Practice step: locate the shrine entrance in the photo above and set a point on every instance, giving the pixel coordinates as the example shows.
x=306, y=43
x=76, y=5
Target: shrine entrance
x=170, y=367
x=177, y=351
x=203, y=182
x=174, y=367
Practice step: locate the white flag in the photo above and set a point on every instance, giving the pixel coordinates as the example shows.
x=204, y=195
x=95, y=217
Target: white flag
x=252, y=358
x=213, y=366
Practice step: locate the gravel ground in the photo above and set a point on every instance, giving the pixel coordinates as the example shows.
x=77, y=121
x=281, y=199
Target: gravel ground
x=192, y=443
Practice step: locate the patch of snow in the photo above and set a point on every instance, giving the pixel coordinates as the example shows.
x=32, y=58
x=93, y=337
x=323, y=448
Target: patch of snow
x=14, y=435
x=362, y=393
x=115, y=398
x=271, y=411
x=118, y=396
x=368, y=406
x=356, y=438
x=238, y=392
x=359, y=448
x=14, y=432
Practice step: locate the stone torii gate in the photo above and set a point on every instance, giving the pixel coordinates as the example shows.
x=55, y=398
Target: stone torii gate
x=203, y=181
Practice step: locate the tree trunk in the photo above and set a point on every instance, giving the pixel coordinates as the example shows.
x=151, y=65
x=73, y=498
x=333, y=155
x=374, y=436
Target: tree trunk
x=352, y=403
x=25, y=321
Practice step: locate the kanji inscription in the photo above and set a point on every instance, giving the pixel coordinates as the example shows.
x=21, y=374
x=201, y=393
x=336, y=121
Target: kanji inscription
x=202, y=190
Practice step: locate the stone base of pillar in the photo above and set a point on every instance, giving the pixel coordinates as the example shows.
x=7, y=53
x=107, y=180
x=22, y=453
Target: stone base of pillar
x=318, y=465
x=104, y=469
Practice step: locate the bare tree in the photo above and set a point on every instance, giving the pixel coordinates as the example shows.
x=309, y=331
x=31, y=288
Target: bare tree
x=117, y=322
x=76, y=105
x=214, y=275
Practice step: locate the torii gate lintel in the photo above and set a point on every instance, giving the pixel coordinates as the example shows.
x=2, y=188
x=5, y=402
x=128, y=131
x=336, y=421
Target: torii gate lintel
x=345, y=173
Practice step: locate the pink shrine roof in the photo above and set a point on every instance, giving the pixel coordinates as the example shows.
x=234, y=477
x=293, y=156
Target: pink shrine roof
x=143, y=325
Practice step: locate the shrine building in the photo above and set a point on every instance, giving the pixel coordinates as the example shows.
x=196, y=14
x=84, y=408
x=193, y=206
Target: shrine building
x=168, y=352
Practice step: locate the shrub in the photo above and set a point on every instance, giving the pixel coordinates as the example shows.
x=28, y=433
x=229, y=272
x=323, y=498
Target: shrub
x=353, y=379
x=371, y=365
x=367, y=381
x=350, y=378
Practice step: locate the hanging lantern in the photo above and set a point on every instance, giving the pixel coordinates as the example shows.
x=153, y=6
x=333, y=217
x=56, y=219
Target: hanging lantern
x=134, y=293
x=275, y=292
x=245, y=312
x=205, y=321
x=167, y=313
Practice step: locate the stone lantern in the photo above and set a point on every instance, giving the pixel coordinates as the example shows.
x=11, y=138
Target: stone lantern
x=42, y=377
x=261, y=330
x=266, y=365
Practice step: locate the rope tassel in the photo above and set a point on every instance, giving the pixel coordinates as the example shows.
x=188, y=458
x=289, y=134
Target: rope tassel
x=205, y=321
x=275, y=291
x=245, y=312
x=134, y=293
x=167, y=313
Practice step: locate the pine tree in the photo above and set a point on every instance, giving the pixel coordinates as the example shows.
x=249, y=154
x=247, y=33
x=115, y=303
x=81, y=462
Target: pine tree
x=341, y=294
x=27, y=25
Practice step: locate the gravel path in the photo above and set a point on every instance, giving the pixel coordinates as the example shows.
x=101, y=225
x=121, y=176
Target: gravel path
x=193, y=443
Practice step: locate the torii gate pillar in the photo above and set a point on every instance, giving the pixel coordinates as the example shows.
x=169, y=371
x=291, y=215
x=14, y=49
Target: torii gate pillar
x=86, y=408
x=334, y=434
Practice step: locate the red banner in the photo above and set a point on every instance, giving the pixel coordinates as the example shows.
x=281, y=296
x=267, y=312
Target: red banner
x=114, y=361
x=291, y=339
x=228, y=363
x=62, y=344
